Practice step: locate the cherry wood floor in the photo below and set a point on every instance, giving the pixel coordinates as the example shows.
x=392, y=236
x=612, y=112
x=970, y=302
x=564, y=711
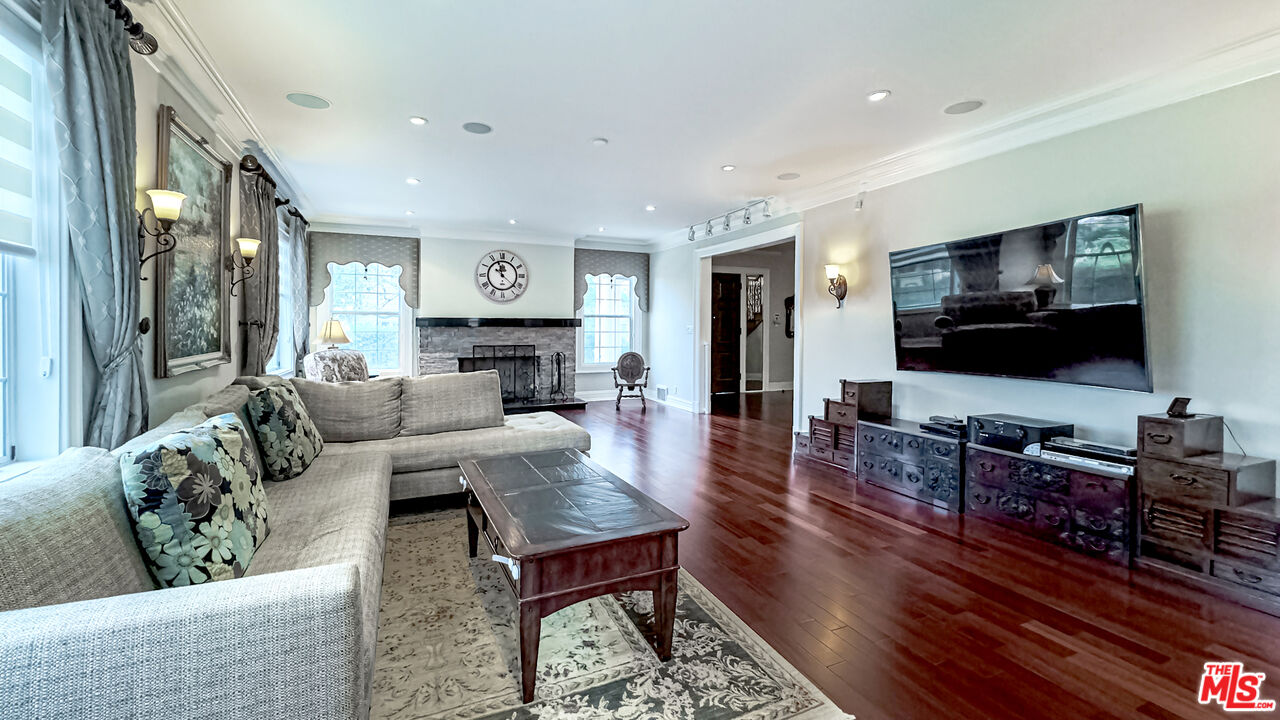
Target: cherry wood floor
x=897, y=610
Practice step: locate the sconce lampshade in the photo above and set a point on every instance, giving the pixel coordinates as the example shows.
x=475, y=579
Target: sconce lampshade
x=248, y=248
x=833, y=272
x=333, y=333
x=1045, y=276
x=166, y=204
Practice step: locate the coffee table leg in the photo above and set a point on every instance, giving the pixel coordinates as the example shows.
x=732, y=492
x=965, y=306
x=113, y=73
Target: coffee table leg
x=664, y=612
x=530, y=628
x=473, y=534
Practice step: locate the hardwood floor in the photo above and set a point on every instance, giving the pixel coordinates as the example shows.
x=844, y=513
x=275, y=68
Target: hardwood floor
x=897, y=610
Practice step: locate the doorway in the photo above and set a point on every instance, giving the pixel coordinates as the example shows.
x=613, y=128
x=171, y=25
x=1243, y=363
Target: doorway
x=726, y=333
x=751, y=346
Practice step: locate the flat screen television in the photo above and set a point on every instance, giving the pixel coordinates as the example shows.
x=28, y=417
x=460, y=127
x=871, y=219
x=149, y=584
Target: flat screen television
x=1061, y=301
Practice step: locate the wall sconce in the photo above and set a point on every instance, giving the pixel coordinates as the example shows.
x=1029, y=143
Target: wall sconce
x=248, y=251
x=166, y=205
x=839, y=288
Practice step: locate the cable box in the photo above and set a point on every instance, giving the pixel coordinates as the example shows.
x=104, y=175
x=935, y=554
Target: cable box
x=944, y=429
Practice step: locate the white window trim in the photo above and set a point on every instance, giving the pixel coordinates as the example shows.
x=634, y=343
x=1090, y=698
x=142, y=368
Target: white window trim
x=408, y=345
x=638, y=334
x=7, y=394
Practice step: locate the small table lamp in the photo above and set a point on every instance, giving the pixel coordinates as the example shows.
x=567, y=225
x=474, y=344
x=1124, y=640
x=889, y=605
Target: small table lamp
x=1044, y=280
x=333, y=333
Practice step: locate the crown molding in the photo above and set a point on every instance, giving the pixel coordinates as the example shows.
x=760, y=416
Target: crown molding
x=1250, y=59
x=598, y=242
x=363, y=229
x=185, y=63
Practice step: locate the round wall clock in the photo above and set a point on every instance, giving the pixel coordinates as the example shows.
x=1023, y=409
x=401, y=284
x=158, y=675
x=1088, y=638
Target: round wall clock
x=502, y=276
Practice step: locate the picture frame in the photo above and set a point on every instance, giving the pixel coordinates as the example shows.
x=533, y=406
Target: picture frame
x=193, y=302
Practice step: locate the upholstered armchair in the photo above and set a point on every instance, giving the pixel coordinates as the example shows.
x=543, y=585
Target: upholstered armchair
x=632, y=376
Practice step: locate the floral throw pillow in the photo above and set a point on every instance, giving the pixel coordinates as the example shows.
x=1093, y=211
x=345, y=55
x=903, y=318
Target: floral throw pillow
x=289, y=439
x=197, y=502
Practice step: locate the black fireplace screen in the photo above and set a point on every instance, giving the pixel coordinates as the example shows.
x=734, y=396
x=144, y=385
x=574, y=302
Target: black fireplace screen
x=517, y=367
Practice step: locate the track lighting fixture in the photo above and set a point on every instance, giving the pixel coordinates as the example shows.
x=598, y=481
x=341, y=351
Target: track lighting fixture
x=857, y=204
x=727, y=221
x=709, y=228
x=710, y=232
x=746, y=216
x=692, y=233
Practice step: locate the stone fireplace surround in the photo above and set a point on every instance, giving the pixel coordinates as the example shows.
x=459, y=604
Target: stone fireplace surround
x=441, y=341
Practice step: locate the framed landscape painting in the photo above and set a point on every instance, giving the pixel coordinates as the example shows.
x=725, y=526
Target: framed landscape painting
x=192, y=294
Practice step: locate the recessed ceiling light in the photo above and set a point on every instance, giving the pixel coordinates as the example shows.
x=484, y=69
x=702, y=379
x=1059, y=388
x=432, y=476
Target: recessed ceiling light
x=728, y=168
x=412, y=181
x=878, y=95
x=600, y=141
x=511, y=221
x=650, y=208
x=789, y=176
x=600, y=229
x=408, y=212
x=416, y=120
x=307, y=100
x=477, y=128
x=965, y=106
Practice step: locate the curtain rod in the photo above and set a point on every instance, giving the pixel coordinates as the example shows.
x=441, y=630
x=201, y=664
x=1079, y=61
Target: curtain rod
x=251, y=164
x=140, y=41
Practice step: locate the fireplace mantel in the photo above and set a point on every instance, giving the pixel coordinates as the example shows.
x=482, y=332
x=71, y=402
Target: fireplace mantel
x=423, y=322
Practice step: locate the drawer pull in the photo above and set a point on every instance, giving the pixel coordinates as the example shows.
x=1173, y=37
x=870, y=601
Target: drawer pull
x=941, y=450
x=1095, y=485
x=1160, y=438
x=913, y=443
x=981, y=499
x=1247, y=577
x=986, y=466
x=1184, y=480
x=868, y=438
x=841, y=413
x=1096, y=523
x=512, y=564
x=1095, y=544
x=1053, y=520
x=868, y=465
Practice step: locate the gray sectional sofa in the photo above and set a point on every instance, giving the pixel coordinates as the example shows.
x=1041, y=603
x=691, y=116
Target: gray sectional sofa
x=85, y=634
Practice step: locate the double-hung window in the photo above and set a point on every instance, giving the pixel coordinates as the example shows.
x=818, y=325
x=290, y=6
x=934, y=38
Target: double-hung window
x=283, y=361
x=370, y=303
x=19, y=68
x=609, y=323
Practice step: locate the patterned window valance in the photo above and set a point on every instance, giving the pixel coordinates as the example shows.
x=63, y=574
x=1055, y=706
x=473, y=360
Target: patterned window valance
x=610, y=262
x=343, y=248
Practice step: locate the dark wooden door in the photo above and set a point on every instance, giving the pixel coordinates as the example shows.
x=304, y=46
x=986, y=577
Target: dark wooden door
x=726, y=332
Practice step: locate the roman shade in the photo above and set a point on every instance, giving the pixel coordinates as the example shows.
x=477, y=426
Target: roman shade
x=343, y=248
x=610, y=262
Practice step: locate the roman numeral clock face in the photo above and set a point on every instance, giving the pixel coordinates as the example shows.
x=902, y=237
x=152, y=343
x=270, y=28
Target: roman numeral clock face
x=502, y=276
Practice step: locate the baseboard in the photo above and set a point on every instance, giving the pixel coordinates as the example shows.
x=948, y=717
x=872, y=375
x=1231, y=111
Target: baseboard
x=775, y=386
x=678, y=403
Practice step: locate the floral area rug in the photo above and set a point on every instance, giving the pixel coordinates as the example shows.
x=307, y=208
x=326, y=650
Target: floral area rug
x=448, y=649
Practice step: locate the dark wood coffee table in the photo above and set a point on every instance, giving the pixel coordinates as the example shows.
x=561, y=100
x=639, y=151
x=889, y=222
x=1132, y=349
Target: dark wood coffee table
x=567, y=530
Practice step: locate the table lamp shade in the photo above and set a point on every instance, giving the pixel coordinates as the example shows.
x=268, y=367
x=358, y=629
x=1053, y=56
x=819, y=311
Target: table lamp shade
x=1045, y=276
x=333, y=333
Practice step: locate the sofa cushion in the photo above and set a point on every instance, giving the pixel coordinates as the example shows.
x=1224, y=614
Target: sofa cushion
x=335, y=512
x=287, y=437
x=520, y=433
x=197, y=502
x=180, y=420
x=230, y=399
x=257, y=382
x=65, y=534
x=452, y=401
x=352, y=411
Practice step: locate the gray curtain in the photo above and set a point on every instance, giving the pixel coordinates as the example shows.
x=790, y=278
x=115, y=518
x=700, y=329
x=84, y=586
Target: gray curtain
x=301, y=309
x=343, y=248
x=610, y=262
x=86, y=57
x=262, y=292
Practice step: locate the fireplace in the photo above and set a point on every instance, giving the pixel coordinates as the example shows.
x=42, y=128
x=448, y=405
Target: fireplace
x=517, y=367
x=534, y=357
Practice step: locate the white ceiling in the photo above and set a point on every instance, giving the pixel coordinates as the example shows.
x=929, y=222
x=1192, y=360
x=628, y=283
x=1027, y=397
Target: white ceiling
x=678, y=87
